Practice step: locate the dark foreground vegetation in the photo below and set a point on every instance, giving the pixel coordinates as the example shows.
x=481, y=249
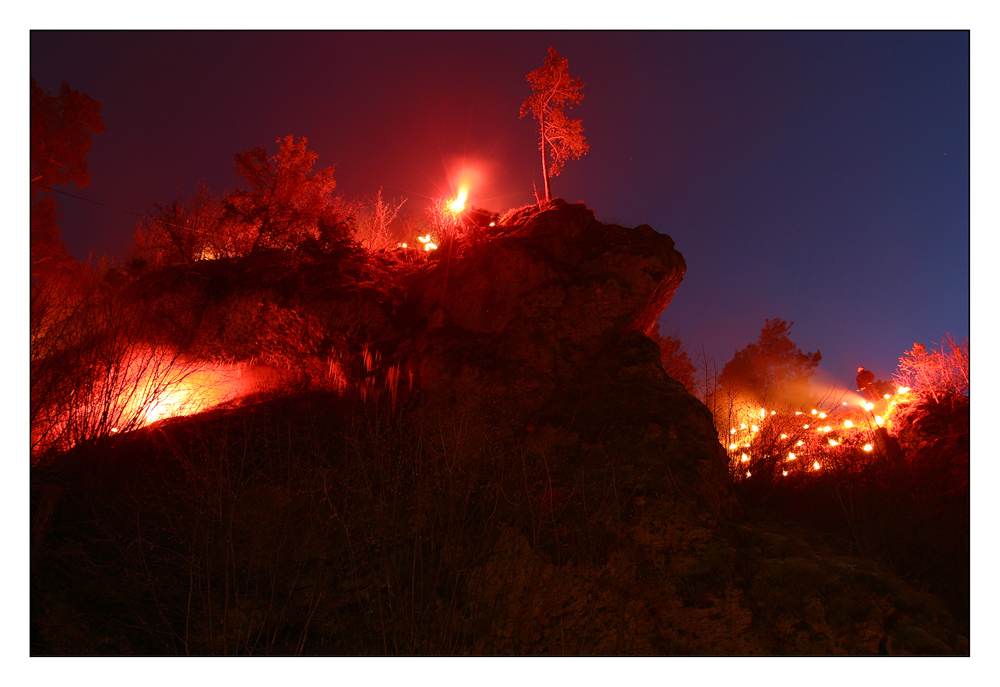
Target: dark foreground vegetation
x=311, y=525
x=476, y=452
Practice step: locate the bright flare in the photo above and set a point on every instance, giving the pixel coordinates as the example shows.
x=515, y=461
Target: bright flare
x=458, y=205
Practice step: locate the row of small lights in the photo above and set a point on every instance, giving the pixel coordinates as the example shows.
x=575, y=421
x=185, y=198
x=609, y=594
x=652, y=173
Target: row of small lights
x=879, y=420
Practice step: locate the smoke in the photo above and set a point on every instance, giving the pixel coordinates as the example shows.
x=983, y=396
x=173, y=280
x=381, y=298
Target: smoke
x=833, y=391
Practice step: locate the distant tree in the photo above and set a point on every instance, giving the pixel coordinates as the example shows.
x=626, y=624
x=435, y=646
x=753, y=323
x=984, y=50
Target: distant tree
x=560, y=138
x=284, y=201
x=676, y=362
x=61, y=131
x=773, y=370
x=181, y=231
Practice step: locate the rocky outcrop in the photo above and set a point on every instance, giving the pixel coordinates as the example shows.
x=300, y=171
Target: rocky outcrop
x=547, y=489
x=534, y=302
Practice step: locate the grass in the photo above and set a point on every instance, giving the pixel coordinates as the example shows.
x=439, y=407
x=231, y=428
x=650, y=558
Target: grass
x=309, y=525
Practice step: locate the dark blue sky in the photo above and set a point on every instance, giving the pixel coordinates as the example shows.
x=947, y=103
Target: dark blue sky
x=819, y=177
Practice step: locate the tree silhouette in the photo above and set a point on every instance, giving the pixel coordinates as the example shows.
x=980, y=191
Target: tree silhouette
x=773, y=370
x=61, y=131
x=182, y=230
x=284, y=201
x=560, y=138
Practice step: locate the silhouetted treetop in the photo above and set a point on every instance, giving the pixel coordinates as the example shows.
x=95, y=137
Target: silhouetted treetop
x=560, y=137
x=772, y=370
x=284, y=202
x=61, y=131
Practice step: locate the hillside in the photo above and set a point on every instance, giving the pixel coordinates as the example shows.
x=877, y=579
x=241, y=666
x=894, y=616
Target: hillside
x=475, y=451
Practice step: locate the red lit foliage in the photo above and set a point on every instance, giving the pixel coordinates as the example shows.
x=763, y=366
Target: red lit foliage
x=61, y=131
x=282, y=206
x=560, y=137
x=284, y=201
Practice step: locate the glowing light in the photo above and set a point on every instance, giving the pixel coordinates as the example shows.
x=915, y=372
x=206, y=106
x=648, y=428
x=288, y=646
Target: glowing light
x=848, y=423
x=458, y=205
x=867, y=447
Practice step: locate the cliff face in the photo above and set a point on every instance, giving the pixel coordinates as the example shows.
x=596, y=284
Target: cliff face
x=534, y=305
x=547, y=317
x=548, y=489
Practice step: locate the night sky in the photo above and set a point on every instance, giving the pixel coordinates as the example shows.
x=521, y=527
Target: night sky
x=817, y=177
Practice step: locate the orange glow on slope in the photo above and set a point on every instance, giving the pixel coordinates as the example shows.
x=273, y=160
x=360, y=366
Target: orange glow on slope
x=805, y=447
x=185, y=387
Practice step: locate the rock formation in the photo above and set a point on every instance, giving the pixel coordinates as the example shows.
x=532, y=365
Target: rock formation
x=546, y=488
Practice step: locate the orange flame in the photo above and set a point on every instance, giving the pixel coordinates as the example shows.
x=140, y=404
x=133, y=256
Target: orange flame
x=458, y=205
